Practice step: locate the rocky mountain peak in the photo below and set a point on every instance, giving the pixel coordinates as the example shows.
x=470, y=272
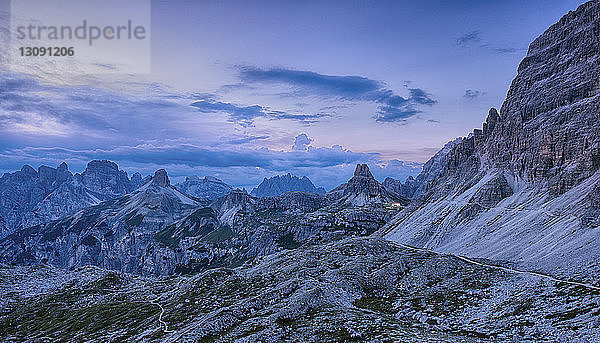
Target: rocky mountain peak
x=161, y=178
x=362, y=189
x=63, y=173
x=47, y=173
x=363, y=182
x=104, y=177
x=100, y=165
x=280, y=184
x=136, y=179
x=362, y=170
x=490, y=122
x=28, y=170
x=51, y=175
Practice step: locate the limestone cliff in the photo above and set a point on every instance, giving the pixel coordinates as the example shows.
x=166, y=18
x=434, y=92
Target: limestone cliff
x=522, y=187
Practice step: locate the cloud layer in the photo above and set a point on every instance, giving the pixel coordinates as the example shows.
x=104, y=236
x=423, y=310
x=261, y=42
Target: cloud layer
x=471, y=94
x=245, y=115
x=473, y=38
x=301, y=142
x=42, y=123
x=469, y=38
x=391, y=106
x=28, y=106
x=243, y=167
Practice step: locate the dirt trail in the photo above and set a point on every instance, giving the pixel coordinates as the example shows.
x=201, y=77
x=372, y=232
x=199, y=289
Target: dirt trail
x=507, y=269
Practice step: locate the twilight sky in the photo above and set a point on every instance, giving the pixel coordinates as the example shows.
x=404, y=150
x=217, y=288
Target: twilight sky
x=243, y=90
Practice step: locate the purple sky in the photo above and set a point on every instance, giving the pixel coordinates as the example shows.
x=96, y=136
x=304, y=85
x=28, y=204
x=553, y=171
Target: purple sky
x=243, y=90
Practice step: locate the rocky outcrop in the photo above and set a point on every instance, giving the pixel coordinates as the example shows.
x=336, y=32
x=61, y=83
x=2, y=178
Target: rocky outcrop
x=492, y=192
x=363, y=189
x=402, y=189
x=362, y=170
x=229, y=205
x=104, y=177
x=161, y=179
x=280, y=184
x=488, y=195
x=208, y=188
x=490, y=122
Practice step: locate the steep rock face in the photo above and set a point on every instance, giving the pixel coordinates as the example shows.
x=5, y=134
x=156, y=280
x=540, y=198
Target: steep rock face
x=104, y=177
x=22, y=191
x=280, y=184
x=515, y=189
x=362, y=170
x=161, y=179
x=546, y=129
x=492, y=192
x=237, y=200
x=488, y=195
x=413, y=188
x=208, y=188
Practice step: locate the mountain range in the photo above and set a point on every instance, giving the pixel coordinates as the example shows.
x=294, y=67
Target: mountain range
x=158, y=230
x=495, y=241
x=29, y=197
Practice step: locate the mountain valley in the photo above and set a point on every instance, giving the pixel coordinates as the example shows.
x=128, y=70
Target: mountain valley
x=496, y=240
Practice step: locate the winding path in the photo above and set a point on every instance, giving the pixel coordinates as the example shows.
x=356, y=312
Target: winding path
x=160, y=316
x=506, y=269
